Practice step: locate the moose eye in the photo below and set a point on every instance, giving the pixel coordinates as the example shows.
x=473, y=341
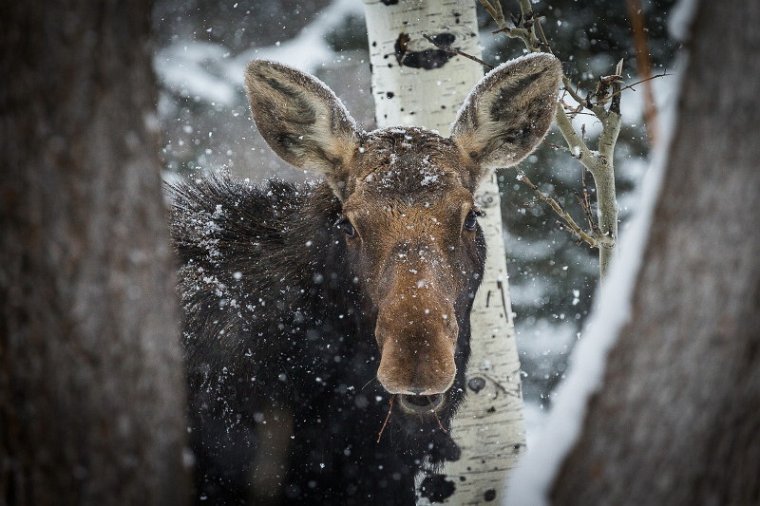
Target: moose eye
x=346, y=227
x=471, y=221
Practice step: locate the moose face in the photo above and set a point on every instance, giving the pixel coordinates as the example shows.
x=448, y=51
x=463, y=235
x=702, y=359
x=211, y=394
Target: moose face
x=408, y=210
x=413, y=242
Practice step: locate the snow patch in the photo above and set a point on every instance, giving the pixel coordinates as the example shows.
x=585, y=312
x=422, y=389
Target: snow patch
x=546, y=338
x=206, y=71
x=308, y=50
x=195, y=70
x=681, y=17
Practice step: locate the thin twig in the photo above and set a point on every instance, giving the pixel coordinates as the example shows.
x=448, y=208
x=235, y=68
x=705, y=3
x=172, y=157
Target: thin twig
x=650, y=78
x=544, y=40
x=367, y=384
x=568, y=86
x=586, y=203
x=387, y=417
x=495, y=11
x=616, y=86
x=578, y=111
x=440, y=425
x=567, y=220
x=453, y=51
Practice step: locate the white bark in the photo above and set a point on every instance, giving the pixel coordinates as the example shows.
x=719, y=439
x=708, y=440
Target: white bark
x=489, y=425
x=407, y=96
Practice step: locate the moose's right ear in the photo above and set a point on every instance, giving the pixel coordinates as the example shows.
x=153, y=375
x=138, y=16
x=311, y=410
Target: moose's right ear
x=301, y=119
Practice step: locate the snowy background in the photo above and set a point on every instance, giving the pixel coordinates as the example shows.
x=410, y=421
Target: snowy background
x=204, y=45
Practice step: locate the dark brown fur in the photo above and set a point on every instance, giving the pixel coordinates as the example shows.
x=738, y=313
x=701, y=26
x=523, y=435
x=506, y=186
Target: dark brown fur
x=297, y=298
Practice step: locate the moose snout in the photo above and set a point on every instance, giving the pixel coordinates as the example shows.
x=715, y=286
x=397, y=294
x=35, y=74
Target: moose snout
x=421, y=375
x=417, y=354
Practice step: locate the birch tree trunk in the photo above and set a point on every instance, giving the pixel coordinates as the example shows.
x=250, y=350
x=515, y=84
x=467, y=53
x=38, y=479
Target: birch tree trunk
x=678, y=418
x=91, y=384
x=415, y=84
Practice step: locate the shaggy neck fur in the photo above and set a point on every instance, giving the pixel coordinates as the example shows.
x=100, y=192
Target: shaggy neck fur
x=275, y=323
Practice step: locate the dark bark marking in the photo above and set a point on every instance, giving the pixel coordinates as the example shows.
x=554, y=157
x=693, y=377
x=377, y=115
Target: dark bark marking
x=426, y=59
x=437, y=488
x=476, y=384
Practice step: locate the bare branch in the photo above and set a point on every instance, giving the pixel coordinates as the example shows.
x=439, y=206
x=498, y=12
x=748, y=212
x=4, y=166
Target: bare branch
x=586, y=204
x=524, y=28
x=577, y=147
x=567, y=220
x=453, y=51
x=494, y=9
x=525, y=8
x=568, y=86
x=545, y=41
x=615, y=96
x=650, y=78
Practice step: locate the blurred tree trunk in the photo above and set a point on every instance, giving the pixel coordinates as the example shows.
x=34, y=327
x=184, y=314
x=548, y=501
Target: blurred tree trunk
x=678, y=418
x=91, y=386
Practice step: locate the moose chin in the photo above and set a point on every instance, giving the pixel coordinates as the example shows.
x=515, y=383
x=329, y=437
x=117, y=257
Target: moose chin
x=327, y=324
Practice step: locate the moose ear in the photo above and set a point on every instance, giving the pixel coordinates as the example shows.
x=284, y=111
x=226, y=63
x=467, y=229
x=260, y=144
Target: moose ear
x=508, y=112
x=301, y=119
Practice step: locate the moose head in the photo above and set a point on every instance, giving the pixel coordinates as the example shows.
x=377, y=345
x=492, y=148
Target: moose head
x=408, y=209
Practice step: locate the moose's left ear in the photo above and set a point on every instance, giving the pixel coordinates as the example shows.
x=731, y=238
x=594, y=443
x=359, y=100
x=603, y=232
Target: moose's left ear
x=508, y=112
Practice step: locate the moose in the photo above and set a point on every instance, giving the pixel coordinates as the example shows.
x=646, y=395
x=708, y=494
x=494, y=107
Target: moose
x=326, y=327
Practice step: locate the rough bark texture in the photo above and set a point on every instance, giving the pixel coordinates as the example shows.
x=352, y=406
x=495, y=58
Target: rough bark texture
x=678, y=418
x=91, y=390
x=489, y=424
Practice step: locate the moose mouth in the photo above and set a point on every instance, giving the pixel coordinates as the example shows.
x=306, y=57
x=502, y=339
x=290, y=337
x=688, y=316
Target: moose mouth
x=422, y=404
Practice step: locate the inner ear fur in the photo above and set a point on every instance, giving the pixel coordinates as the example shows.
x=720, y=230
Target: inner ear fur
x=301, y=119
x=508, y=113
